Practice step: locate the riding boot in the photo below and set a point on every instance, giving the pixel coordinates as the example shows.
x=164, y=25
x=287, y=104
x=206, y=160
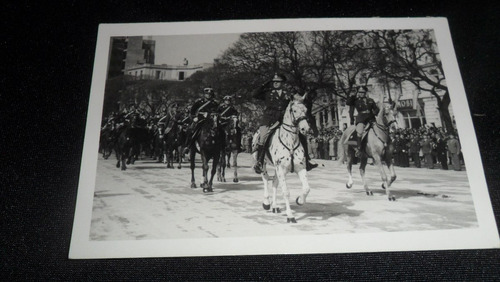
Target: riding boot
x=309, y=165
x=259, y=166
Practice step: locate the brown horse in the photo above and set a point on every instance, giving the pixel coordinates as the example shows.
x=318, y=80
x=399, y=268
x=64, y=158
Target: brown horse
x=232, y=148
x=376, y=144
x=210, y=141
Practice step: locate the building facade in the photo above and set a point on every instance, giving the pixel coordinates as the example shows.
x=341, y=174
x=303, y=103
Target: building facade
x=164, y=71
x=127, y=51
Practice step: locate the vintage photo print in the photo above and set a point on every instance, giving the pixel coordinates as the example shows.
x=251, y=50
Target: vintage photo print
x=279, y=137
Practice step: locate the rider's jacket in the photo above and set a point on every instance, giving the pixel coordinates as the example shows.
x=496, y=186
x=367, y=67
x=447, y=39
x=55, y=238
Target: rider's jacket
x=276, y=101
x=170, y=120
x=226, y=111
x=366, y=107
x=204, y=105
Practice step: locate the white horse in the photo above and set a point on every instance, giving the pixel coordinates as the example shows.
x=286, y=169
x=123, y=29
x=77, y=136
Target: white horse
x=286, y=154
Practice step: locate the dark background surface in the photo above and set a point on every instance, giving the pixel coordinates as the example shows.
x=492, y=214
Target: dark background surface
x=48, y=55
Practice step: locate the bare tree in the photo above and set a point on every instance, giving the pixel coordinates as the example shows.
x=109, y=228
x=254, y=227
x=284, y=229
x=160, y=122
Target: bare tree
x=412, y=55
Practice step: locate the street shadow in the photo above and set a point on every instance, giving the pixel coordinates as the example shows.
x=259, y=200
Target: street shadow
x=407, y=193
x=97, y=195
x=325, y=211
x=230, y=186
x=252, y=178
x=148, y=167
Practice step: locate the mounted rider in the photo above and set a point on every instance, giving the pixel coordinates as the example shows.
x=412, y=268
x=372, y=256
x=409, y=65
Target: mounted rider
x=276, y=98
x=227, y=111
x=367, y=111
x=200, y=110
x=172, y=118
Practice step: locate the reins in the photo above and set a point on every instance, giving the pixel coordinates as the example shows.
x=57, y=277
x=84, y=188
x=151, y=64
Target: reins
x=293, y=129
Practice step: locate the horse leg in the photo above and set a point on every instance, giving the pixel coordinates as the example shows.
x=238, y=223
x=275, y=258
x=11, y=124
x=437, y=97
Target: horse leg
x=123, y=158
x=235, y=167
x=349, y=158
x=171, y=158
x=280, y=173
x=274, y=204
x=215, y=164
x=191, y=160
x=179, y=152
x=228, y=159
x=265, y=178
x=305, y=187
x=388, y=185
x=362, y=167
x=204, y=162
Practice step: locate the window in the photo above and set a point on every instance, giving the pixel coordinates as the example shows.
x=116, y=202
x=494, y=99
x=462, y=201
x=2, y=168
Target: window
x=181, y=75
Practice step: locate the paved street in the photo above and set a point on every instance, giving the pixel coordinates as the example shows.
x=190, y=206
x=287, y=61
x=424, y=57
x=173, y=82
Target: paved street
x=149, y=201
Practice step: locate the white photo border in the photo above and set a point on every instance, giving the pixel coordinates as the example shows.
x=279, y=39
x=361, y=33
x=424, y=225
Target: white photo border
x=485, y=236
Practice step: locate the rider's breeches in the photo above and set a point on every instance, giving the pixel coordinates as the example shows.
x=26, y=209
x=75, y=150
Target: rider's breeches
x=360, y=127
x=264, y=133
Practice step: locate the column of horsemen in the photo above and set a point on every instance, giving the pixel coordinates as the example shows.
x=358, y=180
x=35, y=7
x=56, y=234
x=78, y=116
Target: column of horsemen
x=276, y=96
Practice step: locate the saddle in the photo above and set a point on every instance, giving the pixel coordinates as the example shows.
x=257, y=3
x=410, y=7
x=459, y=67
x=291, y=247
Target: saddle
x=351, y=135
x=272, y=130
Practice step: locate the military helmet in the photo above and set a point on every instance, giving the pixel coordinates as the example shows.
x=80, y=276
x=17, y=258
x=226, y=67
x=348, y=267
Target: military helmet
x=279, y=78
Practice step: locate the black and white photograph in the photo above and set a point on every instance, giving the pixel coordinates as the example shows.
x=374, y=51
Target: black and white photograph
x=279, y=137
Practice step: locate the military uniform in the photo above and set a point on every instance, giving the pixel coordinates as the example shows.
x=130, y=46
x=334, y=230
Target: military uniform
x=202, y=105
x=276, y=100
x=366, y=107
x=367, y=110
x=227, y=111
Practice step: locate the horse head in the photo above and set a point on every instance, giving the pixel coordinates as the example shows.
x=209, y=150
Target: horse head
x=387, y=114
x=296, y=116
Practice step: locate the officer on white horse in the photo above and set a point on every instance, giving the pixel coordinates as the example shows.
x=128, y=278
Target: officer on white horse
x=276, y=99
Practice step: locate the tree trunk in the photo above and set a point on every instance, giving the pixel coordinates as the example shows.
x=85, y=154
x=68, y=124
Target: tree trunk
x=443, y=105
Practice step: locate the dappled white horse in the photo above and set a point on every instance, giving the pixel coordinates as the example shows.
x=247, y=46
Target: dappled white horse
x=286, y=154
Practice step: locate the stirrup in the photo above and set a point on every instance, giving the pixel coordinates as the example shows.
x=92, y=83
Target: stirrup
x=258, y=168
x=310, y=166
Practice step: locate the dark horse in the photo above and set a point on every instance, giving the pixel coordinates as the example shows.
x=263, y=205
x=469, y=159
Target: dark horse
x=107, y=141
x=232, y=147
x=377, y=145
x=173, y=142
x=210, y=140
x=130, y=139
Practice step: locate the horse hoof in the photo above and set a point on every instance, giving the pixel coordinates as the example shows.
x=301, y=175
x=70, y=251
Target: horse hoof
x=392, y=198
x=291, y=220
x=235, y=180
x=117, y=165
x=223, y=180
x=179, y=167
x=266, y=207
x=348, y=186
x=383, y=186
x=369, y=193
x=276, y=210
x=297, y=201
x=193, y=185
x=124, y=168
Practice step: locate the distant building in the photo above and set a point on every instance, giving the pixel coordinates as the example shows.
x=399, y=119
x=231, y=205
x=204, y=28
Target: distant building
x=125, y=52
x=164, y=71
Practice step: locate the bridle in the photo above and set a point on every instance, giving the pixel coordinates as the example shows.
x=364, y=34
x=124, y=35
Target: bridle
x=295, y=121
x=384, y=127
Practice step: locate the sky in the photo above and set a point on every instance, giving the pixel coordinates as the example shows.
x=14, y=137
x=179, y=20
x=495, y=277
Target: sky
x=197, y=49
